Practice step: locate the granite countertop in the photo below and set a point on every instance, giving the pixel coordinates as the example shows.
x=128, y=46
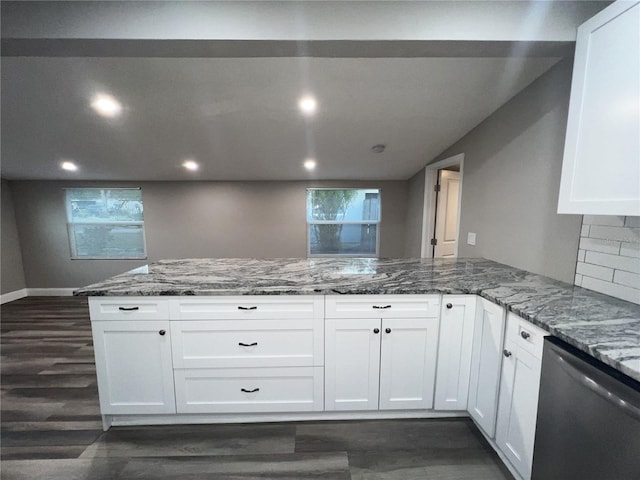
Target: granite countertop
x=603, y=326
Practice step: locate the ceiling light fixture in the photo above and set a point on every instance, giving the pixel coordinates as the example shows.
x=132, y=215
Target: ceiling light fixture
x=309, y=164
x=307, y=105
x=379, y=148
x=69, y=166
x=106, y=105
x=190, y=165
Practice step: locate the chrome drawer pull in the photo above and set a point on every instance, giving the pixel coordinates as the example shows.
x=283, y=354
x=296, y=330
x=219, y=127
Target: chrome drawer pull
x=247, y=308
x=381, y=308
x=128, y=309
x=249, y=391
x=254, y=344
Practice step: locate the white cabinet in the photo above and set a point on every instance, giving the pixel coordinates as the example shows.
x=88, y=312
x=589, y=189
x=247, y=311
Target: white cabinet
x=352, y=360
x=454, y=351
x=248, y=354
x=134, y=369
x=383, y=363
x=373, y=364
x=408, y=363
x=601, y=165
x=519, y=387
x=486, y=360
x=243, y=390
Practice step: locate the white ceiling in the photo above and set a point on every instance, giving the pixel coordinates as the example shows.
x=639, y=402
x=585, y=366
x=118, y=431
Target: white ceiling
x=238, y=116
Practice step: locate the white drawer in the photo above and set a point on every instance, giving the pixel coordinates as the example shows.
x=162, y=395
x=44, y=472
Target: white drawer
x=237, y=390
x=245, y=343
x=525, y=334
x=247, y=307
x=128, y=308
x=382, y=306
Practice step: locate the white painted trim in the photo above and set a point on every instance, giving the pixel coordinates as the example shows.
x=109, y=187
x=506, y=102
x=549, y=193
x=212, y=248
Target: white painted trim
x=11, y=296
x=50, y=292
x=182, y=419
x=429, y=210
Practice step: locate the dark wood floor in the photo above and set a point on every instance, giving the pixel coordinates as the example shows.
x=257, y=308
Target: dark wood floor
x=51, y=425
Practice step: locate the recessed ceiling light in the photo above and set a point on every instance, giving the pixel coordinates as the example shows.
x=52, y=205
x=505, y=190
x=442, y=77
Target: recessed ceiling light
x=307, y=105
x=69, y=166
x=190, y=165
x=106, y=105
x=309, y=164
x=379, y=148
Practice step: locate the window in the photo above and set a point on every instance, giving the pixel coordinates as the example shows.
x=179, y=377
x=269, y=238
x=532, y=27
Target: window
x=105, y=223
x=343, y=222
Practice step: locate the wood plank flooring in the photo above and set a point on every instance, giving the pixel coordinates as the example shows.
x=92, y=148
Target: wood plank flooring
x=51, y=425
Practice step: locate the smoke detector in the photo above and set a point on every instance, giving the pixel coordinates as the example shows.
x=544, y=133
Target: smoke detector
x=379, y=148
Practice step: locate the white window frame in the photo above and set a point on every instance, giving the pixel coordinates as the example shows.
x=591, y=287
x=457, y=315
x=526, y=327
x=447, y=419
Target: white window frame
x=330, y=222
x=71, y=224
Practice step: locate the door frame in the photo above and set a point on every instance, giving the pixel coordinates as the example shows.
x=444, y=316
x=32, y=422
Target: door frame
x=429, y=210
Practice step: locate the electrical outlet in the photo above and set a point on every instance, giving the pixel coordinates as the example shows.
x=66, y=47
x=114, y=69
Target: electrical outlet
x=471, y=238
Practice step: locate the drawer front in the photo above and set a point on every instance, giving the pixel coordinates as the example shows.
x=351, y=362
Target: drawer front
x=243, y=343
x=128, y=308
x=526, y=335
x=238, y=390
x=382, y=306
x=246, y=307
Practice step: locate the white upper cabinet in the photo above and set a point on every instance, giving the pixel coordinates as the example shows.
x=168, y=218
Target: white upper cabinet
x=601, y=166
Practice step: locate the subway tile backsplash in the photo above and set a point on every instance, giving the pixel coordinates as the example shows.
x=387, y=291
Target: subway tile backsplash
x=609, y=256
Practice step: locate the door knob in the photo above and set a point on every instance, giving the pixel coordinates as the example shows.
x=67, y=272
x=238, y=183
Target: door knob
x=388, y=330
x=524, y=334
x=506, y=353
x=376, y=330
x=449, y=305
x=162, y=332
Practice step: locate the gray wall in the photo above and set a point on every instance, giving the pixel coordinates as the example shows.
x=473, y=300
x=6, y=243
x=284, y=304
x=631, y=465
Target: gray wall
x=511, y=180
x=12, y=273
x=189, y=219
x=415, y=207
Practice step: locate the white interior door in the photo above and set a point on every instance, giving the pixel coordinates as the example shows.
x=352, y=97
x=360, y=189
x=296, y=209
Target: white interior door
x=447, y=212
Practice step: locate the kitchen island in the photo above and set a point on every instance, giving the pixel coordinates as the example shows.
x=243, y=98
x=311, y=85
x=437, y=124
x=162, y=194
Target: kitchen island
x=602, y=326
x=247, y=340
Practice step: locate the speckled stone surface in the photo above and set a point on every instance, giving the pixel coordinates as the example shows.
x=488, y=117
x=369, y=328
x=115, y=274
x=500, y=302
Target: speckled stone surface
x=603, y=326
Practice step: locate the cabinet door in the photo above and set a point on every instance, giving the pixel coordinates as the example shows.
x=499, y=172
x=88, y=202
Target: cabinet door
x=352, y=362
x=600, y=170
x=454, y=357
x=408, y=363
x=133, y=364
x=488, y=336
x=518, y=407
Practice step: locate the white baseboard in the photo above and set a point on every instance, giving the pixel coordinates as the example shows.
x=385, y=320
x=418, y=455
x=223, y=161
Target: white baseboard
x=50, y=292
x=11, y=296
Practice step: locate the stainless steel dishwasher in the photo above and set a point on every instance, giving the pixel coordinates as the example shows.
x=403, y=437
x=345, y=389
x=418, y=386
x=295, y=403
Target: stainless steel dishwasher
x=588, y=423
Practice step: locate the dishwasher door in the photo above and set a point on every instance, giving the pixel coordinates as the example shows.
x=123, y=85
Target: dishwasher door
x=588, y=423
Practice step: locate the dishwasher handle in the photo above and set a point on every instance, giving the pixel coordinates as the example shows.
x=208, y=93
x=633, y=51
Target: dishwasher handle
x=572, y=368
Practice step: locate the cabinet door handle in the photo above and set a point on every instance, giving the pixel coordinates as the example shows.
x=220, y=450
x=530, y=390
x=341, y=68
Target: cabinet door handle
x=249, y=391
x=449, y=305
x=387, y=330
x=162, y=333
x=383, y=307
x=248, y=344
x=128, y=309
x=376, y=330
x=506, y=353
x=247, y=308
x=524, y=334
